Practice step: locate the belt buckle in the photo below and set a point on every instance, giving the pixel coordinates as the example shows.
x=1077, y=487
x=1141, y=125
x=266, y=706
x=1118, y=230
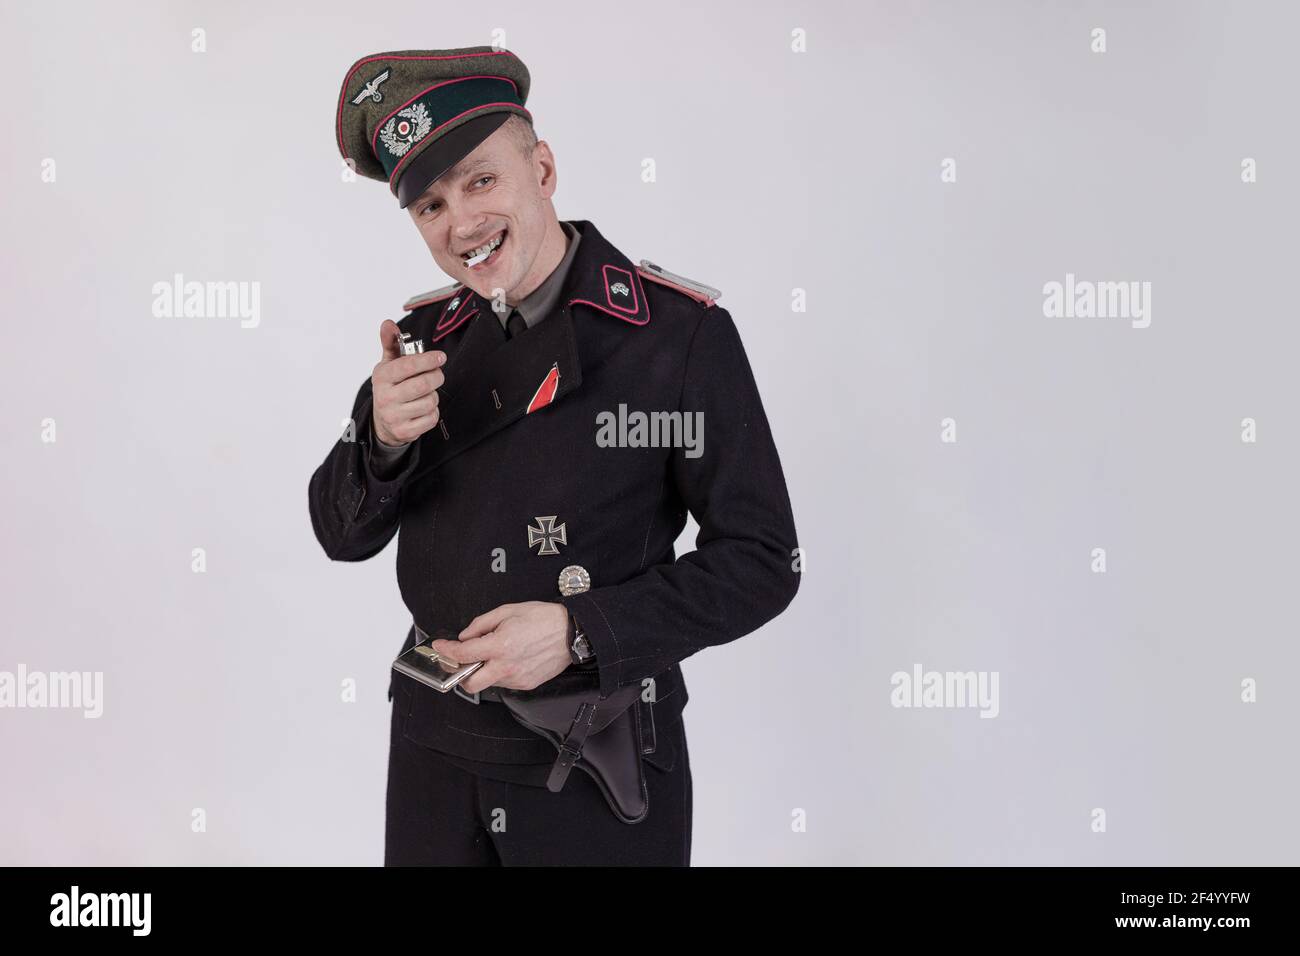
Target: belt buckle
x=472, y=698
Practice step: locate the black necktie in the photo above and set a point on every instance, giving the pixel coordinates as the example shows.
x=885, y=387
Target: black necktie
x=515, y=324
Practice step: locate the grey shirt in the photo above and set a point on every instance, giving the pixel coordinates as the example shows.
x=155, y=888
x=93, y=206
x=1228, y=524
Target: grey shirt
x=386, y=460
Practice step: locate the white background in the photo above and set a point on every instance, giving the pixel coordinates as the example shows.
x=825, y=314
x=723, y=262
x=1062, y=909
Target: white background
x=776, y=170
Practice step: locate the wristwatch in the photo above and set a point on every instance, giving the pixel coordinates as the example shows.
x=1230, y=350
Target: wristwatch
x=580, y=650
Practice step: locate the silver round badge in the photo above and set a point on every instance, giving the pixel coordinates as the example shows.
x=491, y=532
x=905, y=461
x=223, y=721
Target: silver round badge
x=574, y=580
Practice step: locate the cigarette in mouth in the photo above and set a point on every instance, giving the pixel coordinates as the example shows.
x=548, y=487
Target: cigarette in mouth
x=477, y=259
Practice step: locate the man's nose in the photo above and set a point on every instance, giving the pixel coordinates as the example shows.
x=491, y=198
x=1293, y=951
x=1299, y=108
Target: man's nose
x=466, y=224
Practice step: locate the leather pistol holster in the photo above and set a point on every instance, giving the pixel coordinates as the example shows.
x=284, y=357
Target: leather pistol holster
x=601, y=736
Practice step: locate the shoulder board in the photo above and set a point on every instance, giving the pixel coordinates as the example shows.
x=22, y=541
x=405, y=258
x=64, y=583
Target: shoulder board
x=424, y=298
x=696, y=290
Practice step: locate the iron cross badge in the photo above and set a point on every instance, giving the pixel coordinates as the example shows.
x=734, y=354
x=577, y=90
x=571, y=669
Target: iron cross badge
x=548, y=534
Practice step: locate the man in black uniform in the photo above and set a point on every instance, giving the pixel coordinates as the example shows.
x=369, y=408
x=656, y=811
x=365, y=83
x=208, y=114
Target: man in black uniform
x=540, y=456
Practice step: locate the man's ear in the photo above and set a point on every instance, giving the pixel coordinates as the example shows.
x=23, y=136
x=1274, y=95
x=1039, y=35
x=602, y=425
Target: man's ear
x=544, y=164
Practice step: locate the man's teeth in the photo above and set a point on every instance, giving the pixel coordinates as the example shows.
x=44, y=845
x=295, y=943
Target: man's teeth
x=482, y=252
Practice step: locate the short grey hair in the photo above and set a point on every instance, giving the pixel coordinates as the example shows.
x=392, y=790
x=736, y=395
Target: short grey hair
x=521, y=130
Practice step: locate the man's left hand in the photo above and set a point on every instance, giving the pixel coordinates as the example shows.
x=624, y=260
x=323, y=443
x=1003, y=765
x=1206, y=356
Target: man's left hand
x=523, y=645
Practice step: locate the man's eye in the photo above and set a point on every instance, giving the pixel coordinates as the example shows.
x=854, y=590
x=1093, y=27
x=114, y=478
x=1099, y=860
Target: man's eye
x=427, y=209
x=481, y=178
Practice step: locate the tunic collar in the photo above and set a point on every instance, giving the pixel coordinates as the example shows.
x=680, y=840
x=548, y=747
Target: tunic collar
x=539, y=303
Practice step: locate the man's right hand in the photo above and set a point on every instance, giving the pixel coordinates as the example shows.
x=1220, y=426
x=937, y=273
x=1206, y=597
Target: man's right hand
x=404, y=389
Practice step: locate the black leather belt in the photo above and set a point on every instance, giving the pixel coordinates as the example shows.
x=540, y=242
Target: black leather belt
x=487, y=693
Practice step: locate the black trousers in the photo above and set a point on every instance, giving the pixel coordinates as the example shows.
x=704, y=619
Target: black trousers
x=440, y=815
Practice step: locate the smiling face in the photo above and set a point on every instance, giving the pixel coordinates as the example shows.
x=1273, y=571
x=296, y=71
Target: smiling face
x=498, y=200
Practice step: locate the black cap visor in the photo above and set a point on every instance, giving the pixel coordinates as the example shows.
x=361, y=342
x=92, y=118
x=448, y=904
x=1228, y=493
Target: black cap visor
x=444, y=153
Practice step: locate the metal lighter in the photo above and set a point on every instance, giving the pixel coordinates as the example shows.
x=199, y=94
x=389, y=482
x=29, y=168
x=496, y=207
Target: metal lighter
x=411, y=346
